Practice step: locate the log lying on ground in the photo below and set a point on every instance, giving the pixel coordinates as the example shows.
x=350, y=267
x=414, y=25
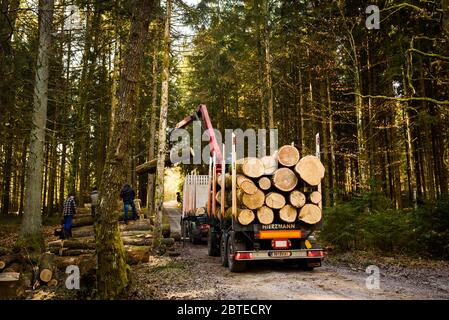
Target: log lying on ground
x=46, y=266
x=288, y=156
x=73, y=244
x=265, y=215
x=250, y=167
x=270, y=164
x=52, y=283
x=310, y=213
x=251, y=201
x=140, y=225
x=264, y=183
x=288, y=213
x=315, y=197
x=14, y=267
x=66, y=252
x=275, y=200
x=9, y=283
x=311, y=170
x=89, y=261
x=9, y=259
x=143, y=233
x=82, y=221
x=137, y=254
x=285, y=179
x=297, y=199
x=133, y=241
x=245, y=216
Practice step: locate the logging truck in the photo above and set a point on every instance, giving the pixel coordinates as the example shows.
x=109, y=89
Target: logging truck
x=255, y=209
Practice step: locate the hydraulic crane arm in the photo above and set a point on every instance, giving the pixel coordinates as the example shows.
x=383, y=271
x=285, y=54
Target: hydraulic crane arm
x=204, y=115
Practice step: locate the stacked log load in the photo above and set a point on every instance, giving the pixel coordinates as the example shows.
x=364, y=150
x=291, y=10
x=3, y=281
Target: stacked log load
x=266, y=193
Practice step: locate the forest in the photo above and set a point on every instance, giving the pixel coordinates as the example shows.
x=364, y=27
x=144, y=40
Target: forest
x=89, y=90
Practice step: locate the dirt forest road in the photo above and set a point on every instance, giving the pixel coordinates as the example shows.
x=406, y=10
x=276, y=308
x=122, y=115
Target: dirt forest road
x=195, y=275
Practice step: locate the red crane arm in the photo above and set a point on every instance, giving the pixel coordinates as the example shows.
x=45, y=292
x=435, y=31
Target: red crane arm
x=204, y=115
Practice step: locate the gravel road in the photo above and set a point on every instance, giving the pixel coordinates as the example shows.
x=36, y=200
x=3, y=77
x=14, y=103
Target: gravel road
x=195, y=275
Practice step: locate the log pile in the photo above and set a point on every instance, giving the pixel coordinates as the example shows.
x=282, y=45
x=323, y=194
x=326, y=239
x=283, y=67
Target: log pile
x=268, y=193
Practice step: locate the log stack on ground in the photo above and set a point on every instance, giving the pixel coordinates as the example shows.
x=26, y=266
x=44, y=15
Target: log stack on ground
x=282, y=188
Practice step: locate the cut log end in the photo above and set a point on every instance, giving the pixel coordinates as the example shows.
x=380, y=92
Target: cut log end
x=254, y=201
x=297, y=199
x=265, y=215
x=288, y=213
x=288, y=156
x=245, y=217
x=264, y=183
x=45, y=275
x=310, y=214
x=285, y=179
x=315, y=197
x=275, y=200
x=311, y=170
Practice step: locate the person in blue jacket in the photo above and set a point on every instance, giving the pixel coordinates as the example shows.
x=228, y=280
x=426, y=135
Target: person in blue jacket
x=128, y=194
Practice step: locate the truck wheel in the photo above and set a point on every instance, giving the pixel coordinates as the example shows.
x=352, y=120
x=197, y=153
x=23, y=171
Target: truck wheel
x=213, y=246
x=223, y=250
x=233, y=246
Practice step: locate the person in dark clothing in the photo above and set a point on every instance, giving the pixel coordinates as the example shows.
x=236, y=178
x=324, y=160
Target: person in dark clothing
x=178, y=197
x=128, y=194
x=69, y=210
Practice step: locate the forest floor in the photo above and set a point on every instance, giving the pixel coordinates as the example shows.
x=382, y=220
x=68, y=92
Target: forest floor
x=195, y=275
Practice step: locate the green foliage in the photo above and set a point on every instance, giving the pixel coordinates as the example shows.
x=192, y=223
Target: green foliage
x=369, y=222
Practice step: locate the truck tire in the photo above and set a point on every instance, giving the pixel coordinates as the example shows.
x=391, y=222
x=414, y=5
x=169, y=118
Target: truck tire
x=224, y=250
x=213, y=244
x=233, y=246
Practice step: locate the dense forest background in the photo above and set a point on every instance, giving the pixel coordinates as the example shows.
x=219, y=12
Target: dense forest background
x=378, y=98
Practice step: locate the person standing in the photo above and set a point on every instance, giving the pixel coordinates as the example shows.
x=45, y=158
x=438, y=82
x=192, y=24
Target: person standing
x=94, y=201
x=69, y=210
x=128, y=194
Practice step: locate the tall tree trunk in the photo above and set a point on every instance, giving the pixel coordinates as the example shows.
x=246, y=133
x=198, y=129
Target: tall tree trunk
x=7, y=169
x=112, y=271
x=159, y=194
x=332, y=173
x=31, y=229
x=268, y=75
x=153, y=121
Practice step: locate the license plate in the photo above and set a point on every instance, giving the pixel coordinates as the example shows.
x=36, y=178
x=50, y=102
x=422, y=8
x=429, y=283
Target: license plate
x=279, y=254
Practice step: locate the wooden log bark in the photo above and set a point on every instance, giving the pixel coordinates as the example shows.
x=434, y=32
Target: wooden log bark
x=310, y=214
x=252, y=201
x=66, y=252
x=285, y=179
x=270, y=164
x=275, y=200
x=265, y=215
x=82, y=221
x=133, y=241
x=250, y=167
x=245, y=216
x=288, y=156
x=46, y=266
x=264, y=183
x=7, y=260
x=288, y=213
x=73, y=244
x=311, y=170
x=297, y=199
x=14, y=267
x=315, y=197
x=137, y=254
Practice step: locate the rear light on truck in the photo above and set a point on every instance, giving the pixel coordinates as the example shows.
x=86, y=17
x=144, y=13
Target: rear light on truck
x=280, y=243
x=315, y=253
x=279, y=234
x=243, y=256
